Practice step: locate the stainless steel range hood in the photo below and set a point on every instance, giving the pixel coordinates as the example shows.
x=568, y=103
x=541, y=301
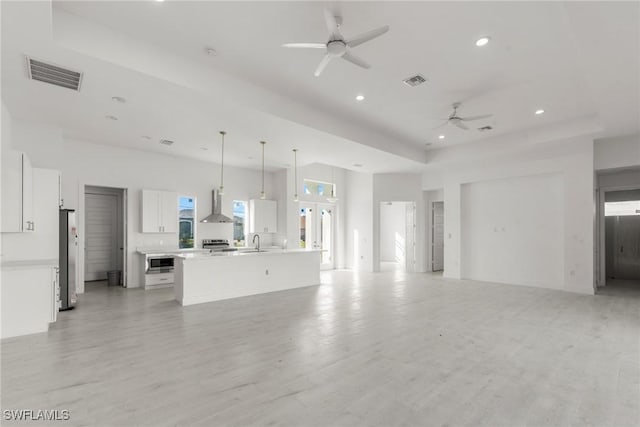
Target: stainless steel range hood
x=216, y=210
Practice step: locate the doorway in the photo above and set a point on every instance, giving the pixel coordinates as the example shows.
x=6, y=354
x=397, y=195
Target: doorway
x=397, y=236
x=437, y=236
x=622, y=238
x=317, y=231
x=105, y=233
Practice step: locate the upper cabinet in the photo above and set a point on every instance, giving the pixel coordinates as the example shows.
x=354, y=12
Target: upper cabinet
x=263, y=216
x=17, y=193
x=159, y=211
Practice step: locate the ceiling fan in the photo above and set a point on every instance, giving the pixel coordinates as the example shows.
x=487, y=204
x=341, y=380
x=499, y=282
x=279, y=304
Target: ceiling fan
x=458, y=121
x=337, y=46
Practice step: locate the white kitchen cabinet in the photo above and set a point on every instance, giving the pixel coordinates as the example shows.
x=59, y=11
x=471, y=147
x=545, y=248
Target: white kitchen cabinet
x=29, y=297
x=263, y=216
x=169, y=212
x=17, y=193
x=159, y=211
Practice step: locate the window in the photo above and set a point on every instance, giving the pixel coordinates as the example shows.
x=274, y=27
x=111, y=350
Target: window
x=239, y=223
x=186, y=216
x=631, y=207
x=318, y=188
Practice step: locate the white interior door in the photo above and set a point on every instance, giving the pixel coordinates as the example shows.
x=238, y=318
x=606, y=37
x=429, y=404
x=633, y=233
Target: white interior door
x=437, y=236
x=317, y=230
x=410, y=237
x=102, y=236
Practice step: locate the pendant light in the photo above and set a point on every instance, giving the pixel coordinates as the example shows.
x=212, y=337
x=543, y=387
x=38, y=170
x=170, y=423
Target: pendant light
x=221, y=191
x=295, y=174
x=333, y=197
x=262, y=193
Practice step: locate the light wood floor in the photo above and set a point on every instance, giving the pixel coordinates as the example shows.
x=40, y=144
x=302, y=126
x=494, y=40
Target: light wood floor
x=361, y=349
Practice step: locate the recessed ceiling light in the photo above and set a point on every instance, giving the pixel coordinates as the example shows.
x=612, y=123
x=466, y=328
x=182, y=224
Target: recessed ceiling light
x=540, y=111
x=111, y=117
x=359, y=97
x=119, y=99
x=482, y=41
x=357, y=165
x=440, y=136
x=159, y=1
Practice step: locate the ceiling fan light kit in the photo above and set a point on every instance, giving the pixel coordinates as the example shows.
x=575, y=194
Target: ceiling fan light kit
x=337, y=46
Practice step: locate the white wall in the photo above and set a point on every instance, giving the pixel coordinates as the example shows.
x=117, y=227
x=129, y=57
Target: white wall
x=5, y=143
x=573, y=160
x=513, y=231
x=401, y=188
x=83, y=163
x=392, y=231
x=359, y=221
x=618, y=152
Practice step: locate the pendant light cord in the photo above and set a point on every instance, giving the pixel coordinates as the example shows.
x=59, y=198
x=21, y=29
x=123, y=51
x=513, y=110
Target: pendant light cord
x=222, y=133
x=262, y=194
x=295, y=174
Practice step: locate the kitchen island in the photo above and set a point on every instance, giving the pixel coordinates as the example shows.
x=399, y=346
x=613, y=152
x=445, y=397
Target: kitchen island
x=211, y=277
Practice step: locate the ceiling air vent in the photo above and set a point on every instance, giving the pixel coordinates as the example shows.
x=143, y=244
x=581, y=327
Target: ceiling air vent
x=53, y=74
x=485, y=128
x=414, y=80
x=166, y=142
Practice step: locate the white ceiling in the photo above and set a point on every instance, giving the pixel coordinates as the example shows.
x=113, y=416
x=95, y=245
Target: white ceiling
x=575, y=60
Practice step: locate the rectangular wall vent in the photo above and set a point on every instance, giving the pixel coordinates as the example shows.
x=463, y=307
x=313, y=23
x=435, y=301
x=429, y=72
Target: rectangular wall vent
x=166, y=142
x=414, y=80
x=53, y=74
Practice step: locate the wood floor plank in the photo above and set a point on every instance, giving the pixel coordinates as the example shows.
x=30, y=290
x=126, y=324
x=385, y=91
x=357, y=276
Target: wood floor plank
x=361, y=349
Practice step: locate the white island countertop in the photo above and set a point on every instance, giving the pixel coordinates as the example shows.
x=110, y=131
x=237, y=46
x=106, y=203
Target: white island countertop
x=241, y=253
x=222, y=275
x=169, y=251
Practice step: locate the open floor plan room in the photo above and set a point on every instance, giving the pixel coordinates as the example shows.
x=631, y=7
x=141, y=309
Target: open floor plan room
x=320, y=213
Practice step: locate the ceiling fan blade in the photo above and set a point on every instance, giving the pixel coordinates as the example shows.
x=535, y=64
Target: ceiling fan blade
x=470, y=118
x=459, y=124
x=332, y=25
x=322, y=65
x=305, y=45
x=439, y=126
x=355, y=60
x=365, y=37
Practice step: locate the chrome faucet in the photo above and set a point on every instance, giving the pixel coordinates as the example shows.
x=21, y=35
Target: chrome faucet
x=256, y=236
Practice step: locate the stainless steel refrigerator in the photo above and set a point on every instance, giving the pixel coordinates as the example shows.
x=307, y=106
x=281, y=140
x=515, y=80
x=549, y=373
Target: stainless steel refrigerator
x=68, y=258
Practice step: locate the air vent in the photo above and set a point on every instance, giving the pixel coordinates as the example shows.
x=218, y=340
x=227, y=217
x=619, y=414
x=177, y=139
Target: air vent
x=485, y=128
x=166, y=142
x=414, y=80
x=53, y=74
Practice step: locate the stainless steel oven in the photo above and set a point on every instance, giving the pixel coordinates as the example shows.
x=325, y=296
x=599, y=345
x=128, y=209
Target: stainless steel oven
x=160, y=264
